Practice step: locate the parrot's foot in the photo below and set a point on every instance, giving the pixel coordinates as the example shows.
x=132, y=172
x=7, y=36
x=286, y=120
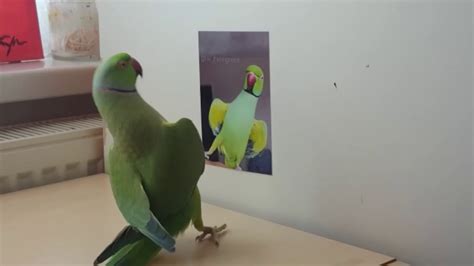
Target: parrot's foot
x=207, y=155
x=238, y=168
x=213, y=231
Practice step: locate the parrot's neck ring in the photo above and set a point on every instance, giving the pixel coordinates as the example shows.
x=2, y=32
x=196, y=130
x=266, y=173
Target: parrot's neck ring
x=251, y=93
x=121, y=90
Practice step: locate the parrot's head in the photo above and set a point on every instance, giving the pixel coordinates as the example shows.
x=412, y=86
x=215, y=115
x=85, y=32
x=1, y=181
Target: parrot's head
x=254, y=80
x=117, y=74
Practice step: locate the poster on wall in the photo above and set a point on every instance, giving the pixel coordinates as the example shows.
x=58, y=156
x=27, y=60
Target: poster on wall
x=235, y=100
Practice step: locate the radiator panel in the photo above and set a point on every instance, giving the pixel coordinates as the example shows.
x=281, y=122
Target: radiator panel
x=46, y=152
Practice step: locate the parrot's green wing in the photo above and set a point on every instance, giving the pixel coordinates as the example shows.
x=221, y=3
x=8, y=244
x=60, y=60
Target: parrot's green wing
x=216, y=115
x=171, y=172
x=182, y=163
x=184, y=140
x=133, y=201
x=257, y=138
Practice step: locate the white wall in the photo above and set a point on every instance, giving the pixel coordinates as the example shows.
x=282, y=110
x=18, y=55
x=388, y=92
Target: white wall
x=382, y=162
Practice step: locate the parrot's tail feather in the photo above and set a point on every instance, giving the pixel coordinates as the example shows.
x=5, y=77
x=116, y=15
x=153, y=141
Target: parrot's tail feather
x=130, y=247
x=128, y=235
x=139, y=253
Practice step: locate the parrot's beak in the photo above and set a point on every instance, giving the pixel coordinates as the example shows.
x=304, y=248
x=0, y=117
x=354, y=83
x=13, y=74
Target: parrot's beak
x=137, y=67
x=251, y=79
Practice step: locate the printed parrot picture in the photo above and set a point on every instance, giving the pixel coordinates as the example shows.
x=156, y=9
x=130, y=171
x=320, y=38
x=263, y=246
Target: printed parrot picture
x=238, y=133
x=235, y=100
x=154, y=166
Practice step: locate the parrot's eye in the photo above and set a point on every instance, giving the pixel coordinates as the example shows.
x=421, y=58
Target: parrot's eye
x=122, y=64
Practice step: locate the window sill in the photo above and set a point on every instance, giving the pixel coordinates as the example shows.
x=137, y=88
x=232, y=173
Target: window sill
x=44, y=79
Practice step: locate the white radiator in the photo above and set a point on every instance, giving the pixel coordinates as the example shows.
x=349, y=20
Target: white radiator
x=45, y=152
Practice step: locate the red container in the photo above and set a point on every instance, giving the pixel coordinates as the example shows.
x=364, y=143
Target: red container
x=20, y=37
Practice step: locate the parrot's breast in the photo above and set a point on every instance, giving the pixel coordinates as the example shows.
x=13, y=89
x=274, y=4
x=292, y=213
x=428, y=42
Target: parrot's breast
x=237, y=125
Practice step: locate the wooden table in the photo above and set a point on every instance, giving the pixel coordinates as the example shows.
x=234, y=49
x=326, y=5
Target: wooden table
x=69, y=223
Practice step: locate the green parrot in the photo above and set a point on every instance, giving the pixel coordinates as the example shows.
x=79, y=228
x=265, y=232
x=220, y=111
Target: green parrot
x=238, y=134
x=154, y=167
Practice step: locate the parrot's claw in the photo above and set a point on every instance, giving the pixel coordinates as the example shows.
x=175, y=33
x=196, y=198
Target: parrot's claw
x=213, y=231
x=206, y=155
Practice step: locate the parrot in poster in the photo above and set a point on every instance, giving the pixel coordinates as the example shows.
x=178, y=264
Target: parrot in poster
x=238, y=133
x=154, y=167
